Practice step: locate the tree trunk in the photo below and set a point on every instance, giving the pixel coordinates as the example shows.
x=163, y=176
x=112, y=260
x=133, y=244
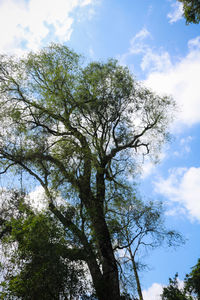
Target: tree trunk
x=97, y=277
x=109, y=265
x=95, y=208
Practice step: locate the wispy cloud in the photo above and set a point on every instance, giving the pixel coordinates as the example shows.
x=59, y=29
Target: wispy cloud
x=182, y=187
x=137, y=45
x=176, y=13
x=152, y=60
x=184, y=145
x=148, y=166
x=181, y=80
x=28, y=24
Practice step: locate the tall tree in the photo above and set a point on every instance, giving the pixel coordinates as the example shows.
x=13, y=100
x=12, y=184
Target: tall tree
x=191, y=11
x=75, y=129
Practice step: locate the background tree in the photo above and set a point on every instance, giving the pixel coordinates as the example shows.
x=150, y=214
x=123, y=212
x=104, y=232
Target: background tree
x=36, y=266
x=191, y=10
x=190, y=290
x=192, y=280
x=75, y=129
x=174, y=292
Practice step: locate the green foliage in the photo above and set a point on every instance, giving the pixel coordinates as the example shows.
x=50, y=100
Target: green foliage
x=41, y=267
x=191, y=289
x=191, y=10
x=192, y=280
x=173, y=292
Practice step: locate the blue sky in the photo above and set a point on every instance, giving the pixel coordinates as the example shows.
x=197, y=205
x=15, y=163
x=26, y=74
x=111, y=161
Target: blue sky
x=151, y=38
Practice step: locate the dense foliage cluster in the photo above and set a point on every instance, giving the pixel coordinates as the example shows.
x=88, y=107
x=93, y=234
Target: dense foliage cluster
x=190, y=290
x=34, y=263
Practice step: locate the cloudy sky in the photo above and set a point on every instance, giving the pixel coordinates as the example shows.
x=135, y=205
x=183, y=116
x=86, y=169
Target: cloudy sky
x=150, y=37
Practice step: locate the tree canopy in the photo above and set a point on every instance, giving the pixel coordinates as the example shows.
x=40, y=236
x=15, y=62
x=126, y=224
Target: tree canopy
x=174, y=292
x=190, y=290
x=36, y=264
x=192, y=280
x=77, y=129
x=191, y=10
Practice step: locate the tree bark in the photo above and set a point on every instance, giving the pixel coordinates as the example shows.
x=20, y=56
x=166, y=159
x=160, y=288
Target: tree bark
x=109, y=265
x=95, y=208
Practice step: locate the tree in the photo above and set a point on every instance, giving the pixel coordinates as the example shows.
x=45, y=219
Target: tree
x=173, y=292
x=191, y=289
x=192, y=280
x=191, y=11
x=76, y=129
x=35, y=266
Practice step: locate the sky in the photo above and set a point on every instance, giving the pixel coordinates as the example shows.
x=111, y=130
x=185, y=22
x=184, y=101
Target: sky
x=152, y=39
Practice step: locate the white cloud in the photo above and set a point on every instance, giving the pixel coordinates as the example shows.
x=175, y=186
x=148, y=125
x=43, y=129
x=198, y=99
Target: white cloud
x=186, y=140
x=148, y=166
x=153, y=293
x=155, y=61
x=176, y=13
x=38, y=199
x=28, y=23
x=181, y=80
x=182, y=186
x=147, y=169
x=194, y=44
x=151, y=60
x=184, y=146
x=137, y=45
